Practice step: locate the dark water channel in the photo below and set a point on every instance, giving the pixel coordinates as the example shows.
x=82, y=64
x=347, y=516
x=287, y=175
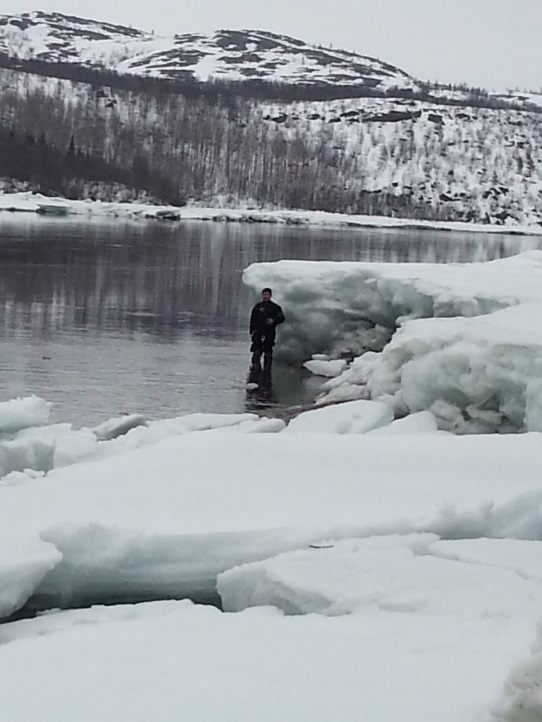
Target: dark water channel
x=106, y=317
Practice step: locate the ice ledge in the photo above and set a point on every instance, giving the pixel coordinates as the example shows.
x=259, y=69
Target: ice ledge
x=468, y=346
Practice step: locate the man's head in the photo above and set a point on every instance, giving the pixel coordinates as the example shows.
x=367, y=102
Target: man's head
x=266, y=294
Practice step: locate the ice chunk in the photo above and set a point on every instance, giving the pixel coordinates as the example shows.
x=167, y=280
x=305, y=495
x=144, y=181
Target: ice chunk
x=24, y=563
x=262, y=425
x=30, y=453
x=156, y=431
x=352, y=417
x=518, y=555
x=388, y=573
x=18, y=414
x=479, y=374
x=48, y=447
x=424, y=422
x=67, y=445
x=325, y=368
x=119, y=426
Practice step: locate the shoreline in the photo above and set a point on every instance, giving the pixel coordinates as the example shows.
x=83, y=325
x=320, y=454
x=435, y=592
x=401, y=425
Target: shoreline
x=29, y=202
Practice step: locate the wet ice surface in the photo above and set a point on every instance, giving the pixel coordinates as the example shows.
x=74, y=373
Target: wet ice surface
x=113, y=317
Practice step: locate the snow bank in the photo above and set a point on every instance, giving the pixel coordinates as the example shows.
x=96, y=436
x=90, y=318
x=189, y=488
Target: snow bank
x=30, y=202
x=164, y=660
x=165, y=519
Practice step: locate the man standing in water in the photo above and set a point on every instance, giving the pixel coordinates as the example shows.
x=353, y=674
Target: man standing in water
x=265, y=317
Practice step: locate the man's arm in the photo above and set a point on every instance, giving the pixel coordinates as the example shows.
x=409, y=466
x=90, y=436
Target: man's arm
x=279, y=316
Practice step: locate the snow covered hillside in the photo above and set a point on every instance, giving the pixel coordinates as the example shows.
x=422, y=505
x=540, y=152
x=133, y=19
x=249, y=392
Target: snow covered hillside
x=145, y=124
x=372, y=156
x=463, y=163
x=224, y=55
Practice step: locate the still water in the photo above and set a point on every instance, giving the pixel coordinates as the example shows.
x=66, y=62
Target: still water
x=108, y=317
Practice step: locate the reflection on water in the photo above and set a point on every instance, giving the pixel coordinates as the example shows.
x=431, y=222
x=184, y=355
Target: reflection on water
x=104, y=317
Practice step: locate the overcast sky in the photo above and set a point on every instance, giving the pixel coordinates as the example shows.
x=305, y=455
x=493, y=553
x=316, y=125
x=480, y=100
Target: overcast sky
x=491, y=43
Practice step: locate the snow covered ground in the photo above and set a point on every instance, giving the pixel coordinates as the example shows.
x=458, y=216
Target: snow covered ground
x=372, y=566
x=165, y=660
x=29, y=202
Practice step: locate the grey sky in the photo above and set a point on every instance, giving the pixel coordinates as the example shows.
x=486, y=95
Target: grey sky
x=492, y=43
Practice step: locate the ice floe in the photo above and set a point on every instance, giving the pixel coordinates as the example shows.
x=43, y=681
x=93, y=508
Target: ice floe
x=407, y=557
x=166, y=518
x=391, y=573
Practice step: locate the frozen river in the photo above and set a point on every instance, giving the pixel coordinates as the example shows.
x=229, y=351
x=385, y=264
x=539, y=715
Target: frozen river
x=106, y=317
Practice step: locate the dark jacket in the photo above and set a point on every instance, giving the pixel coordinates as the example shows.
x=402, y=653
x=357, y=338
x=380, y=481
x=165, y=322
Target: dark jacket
x=261, y=313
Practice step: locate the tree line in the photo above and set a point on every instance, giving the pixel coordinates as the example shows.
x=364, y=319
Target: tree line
x=220, y=90
x=76, y=173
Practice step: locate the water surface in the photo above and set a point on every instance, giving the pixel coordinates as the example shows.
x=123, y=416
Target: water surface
x=104, y=317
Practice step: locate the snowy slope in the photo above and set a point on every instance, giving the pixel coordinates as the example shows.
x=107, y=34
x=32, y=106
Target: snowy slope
x=481, y=164
x=226, y=54
x=385, y=156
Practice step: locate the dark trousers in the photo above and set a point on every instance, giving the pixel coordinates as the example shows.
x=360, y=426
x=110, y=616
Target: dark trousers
x=262, y=343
